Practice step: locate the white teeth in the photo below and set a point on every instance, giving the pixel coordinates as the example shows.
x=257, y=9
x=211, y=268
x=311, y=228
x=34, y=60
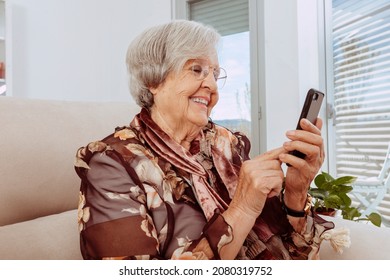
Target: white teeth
x=200, y=100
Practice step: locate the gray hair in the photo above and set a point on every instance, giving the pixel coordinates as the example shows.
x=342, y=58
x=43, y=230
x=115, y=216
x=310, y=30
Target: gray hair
x=162, y=49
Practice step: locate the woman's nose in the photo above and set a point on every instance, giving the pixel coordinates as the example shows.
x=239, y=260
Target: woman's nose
x=209, y=81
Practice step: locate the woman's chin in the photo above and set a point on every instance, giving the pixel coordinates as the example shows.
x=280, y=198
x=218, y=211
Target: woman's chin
x=201, y=120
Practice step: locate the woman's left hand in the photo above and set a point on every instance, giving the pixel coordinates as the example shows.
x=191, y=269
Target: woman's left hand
x=302, y=171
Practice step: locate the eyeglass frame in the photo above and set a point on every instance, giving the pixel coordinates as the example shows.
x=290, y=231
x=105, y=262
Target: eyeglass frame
x=206, y=71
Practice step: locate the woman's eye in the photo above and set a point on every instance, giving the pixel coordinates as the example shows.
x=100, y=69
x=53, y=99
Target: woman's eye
x=197, y=69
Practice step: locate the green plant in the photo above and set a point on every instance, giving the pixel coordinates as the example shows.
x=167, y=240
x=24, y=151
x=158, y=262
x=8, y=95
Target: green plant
x=331, y=193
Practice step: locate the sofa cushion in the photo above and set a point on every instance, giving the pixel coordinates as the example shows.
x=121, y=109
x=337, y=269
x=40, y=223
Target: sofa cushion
x=55, y=237
x=38, y=143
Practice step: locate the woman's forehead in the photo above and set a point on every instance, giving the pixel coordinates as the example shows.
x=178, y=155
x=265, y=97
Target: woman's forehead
x=203, y=61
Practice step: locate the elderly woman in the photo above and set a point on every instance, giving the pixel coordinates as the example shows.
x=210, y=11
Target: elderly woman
x=175, y=185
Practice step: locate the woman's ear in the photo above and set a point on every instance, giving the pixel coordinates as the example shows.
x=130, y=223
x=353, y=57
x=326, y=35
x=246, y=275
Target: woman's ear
x=153, y=90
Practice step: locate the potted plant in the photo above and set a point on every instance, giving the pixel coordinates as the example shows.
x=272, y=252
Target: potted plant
x=331, y=194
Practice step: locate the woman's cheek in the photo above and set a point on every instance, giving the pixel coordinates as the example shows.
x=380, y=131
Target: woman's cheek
x=214, y=99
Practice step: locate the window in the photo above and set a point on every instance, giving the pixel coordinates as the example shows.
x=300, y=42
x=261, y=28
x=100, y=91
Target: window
x=360, y=83
x=233, y=109
x=231, y=19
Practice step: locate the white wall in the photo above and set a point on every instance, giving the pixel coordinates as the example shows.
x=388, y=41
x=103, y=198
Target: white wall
x=281, y=69
x=75, y=49
x=291, y=63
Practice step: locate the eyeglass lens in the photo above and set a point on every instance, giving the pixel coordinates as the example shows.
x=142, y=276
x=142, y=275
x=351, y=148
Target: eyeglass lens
x=201, y=71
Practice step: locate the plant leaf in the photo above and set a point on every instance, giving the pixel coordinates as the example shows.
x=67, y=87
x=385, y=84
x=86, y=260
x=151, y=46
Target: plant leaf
x=346, y=200
x=375, y=218
x=317, y=193
x=319, y=180
x=345, y=180
x=326, y=186
x=342, y=188
x=327, y=176
x=349, y=213
x=333, y=201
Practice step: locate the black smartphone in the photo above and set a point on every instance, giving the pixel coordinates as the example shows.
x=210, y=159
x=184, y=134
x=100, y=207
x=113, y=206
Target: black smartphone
x=310, y=111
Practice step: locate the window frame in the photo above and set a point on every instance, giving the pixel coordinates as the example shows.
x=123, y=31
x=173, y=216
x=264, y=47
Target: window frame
x=326, y=80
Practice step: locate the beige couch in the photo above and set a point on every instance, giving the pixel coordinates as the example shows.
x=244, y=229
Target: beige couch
x=39, y=188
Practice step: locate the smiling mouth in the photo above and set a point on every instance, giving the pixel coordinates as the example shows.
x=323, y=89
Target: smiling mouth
x=200, y=100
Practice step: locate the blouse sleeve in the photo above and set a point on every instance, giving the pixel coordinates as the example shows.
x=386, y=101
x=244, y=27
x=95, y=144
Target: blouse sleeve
x=116, y=221
x=306, y=244
x=113, y=218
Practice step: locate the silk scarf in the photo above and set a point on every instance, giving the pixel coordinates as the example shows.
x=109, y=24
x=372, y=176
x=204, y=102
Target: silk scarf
x=196, y=165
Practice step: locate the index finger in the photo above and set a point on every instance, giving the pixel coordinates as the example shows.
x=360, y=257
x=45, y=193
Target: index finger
x=272, y=154
x=310, y=127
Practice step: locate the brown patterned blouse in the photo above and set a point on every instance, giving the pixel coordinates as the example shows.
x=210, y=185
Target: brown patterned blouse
x=143, y=196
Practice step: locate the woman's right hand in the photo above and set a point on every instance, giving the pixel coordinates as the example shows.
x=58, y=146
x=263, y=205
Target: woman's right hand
x=259, y=178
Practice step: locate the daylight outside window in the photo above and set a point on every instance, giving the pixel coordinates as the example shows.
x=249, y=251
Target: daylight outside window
x=233, y=109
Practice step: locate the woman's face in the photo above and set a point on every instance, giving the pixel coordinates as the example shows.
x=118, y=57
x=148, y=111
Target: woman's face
x=186, y=99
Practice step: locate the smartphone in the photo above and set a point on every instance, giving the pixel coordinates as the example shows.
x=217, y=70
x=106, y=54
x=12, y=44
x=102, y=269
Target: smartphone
x=310, y=111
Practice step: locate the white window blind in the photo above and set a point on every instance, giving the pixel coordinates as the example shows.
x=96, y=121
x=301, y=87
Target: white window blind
x=228, y=17
x=361, y=61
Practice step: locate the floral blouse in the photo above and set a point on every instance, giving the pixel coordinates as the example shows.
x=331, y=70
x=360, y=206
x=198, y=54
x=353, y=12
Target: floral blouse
x=143, y=196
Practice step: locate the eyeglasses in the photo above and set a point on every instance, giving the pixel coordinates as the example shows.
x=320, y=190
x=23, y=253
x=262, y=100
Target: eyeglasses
x=200, y=69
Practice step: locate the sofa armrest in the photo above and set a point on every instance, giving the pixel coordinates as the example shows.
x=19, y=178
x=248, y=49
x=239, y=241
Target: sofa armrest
x=368, y=242
x=53, y=237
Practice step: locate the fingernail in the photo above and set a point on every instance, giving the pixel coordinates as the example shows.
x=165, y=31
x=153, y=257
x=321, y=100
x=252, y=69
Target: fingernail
x=290, y=133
